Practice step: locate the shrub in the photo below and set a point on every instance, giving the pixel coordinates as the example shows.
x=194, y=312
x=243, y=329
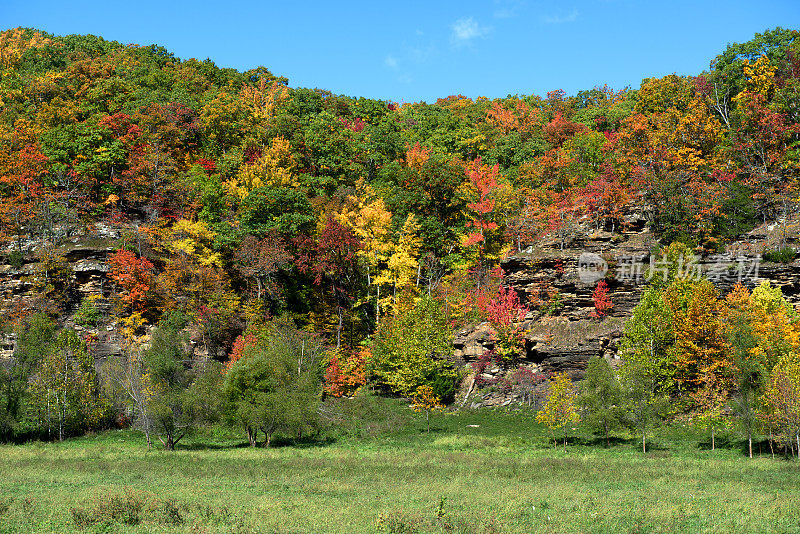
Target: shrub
x=16, y=259
x=125, y=508
x=781, y=255
x=87, y=314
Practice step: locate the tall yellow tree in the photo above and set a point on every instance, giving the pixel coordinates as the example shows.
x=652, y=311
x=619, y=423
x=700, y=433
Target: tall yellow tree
x=401, y=262
x=365, y=213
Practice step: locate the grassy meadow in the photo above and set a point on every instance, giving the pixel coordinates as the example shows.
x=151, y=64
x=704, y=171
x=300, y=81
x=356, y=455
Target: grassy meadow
x=477, y=471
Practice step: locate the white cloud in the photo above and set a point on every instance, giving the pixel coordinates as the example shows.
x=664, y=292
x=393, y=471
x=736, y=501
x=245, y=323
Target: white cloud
x=391, y=62
x=572, y=16
x=506, y=9
x=465, y=29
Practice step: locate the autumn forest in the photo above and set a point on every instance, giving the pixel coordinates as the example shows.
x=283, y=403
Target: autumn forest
x=266, y=251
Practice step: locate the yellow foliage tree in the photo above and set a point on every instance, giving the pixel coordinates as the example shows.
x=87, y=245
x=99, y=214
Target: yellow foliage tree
x=561, y=409
x=782, y=396
x=193, y=239
x=425, y=400
x=14, y=43
x=276, y=167
x=760, y=76
x=775, y=324
x=401, y=262
x=366, y=215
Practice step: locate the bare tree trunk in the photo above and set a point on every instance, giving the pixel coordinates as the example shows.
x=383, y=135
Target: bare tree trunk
x=771, y=448
x=339, y=328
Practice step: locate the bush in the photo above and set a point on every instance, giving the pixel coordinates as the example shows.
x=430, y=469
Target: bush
x=87, y=314
x=128, y=507
x=125, y=508
x=781, y=255
x=16, y=259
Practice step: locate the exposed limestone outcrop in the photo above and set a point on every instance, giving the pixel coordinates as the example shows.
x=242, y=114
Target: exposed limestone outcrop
x=563, y=335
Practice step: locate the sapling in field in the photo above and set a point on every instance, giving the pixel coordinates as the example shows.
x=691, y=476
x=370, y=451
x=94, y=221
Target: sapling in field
x=560, y=409
x=600, y=397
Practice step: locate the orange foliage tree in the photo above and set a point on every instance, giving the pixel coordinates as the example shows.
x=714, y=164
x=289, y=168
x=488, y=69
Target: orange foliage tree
x=134, y=275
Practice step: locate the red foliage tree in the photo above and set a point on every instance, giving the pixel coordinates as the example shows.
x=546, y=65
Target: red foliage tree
x=602, y=302
x=484, y=181
x=259, y=260
x=332, y=260
x=242, y=343
x=560, y=129
x=346, y=373
x=134, y=275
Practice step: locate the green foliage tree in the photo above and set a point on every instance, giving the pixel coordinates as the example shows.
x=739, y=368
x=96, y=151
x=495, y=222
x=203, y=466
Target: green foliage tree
x=645, y=404
x=180, y=391
x=65, y=394
x=600, y=397
x=649, y=335
x=34, y=336
x=276, y=385
x=410, y=348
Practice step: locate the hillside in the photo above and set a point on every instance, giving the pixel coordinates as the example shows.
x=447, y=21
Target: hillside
x=143, y=195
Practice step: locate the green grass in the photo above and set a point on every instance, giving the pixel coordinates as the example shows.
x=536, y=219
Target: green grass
x=502, y=476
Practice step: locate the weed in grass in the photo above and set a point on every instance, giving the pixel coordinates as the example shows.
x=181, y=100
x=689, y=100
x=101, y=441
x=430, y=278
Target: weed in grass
x=165, y=511
x=214, y=514
x=399, y=523
x=110, y=507
x=5, y=504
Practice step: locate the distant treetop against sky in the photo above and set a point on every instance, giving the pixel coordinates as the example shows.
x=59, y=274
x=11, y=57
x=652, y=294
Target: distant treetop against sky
x=411, y=51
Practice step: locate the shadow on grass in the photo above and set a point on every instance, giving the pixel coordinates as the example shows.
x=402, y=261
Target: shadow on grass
x=600, y=442
x=276, y=443
x=724, y=442
x=202, y=446
x=761, y=447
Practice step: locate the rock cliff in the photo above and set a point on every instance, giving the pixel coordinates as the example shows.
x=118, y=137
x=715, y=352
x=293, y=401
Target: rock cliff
x=562, y=332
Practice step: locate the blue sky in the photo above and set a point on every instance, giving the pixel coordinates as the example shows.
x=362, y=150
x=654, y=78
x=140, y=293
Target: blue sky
x=411, y=51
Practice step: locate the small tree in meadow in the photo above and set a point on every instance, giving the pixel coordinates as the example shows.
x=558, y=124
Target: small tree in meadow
x=276, y=384
x=560, y=409
x=600, y=397
x=710, y=400
x=782, y=397
x=645, y=406
x=425, y=400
